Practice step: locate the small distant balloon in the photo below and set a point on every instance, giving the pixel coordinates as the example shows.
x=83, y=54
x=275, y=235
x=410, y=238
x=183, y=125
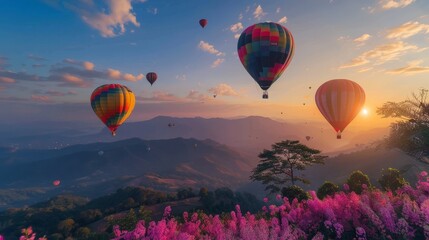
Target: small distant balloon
x=151, y=77
x=308, y=138
x=309, y=87
x=214, y=95
x=148, y=149
x=203, y=22
x=195, y=145
x=100, y=153
x=303, y=104
x=56, y=182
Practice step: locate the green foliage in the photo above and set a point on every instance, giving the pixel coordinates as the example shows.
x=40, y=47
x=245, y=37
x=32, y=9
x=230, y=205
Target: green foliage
x=293, y=192
x=66, y=226
x=185, y=193
x=83, y=233
x=356, y=180
x=391, y=179
x=129, y=221
x=281, y=164
x=411, y=132
x=225, y=200
x=327, y=189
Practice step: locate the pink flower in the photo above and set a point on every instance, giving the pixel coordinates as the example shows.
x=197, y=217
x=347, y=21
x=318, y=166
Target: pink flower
x=278, y=197
x=265, y=199
x=346, y=187
x=167, y=211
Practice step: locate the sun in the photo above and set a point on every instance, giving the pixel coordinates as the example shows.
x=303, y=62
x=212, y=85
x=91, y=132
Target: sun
x=365, y=111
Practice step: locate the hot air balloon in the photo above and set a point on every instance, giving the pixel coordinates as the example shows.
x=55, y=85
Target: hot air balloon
x=265, y=50
x=113, y=104
x=203, y=22
x=56, y=182
x=339, y=101
x=308, y=138
x=151, y=77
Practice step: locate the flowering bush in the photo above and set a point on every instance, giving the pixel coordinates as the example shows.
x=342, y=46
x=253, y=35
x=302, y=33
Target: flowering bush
x=374, y=214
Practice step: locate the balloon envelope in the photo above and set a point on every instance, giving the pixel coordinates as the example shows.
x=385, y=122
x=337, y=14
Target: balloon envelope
x=113, y=104
x=151, y=77
x=203, y=22
x=265, y=50
x=339, y=101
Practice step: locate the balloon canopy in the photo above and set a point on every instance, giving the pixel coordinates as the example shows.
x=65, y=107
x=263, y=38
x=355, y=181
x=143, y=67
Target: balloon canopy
x=340, y=101
x=113, y=104
x=203, y=22
x=265, y=50
x=151, y=77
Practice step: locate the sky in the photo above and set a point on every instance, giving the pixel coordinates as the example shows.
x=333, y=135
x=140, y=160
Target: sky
x=53, y=54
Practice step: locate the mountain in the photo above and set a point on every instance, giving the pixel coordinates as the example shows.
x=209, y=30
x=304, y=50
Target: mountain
x=100, y=168
x=249, y=135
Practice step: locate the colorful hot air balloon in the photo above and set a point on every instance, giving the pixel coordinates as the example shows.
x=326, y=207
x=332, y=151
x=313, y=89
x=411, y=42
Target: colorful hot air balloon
x=265, y=50
x=151, y=77
x=339, y=101
x=56, y=182
x=113, y=104
x=203, y=22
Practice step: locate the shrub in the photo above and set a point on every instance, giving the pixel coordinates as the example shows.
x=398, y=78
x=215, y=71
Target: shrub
x=327, y=189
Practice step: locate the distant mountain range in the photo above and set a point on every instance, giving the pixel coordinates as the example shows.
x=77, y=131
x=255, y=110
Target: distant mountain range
x=248, y=134
x=100, y=168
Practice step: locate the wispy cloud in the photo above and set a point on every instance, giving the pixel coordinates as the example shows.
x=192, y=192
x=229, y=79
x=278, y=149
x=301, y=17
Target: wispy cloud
x=390, y=4
x=283, y=20
x=181, y=77
x=74, y=81
x=407, y=30
x=41, y=98
x=223, y=90
x=278, y=10
x=237, y=36
x=259, y=12
x=7, y=80
x=36, y=58
x=207, y=47
x=197, y=96
x=160, y=96
x=412, y=68
x=362, y=39
x=383, y=53
x=217, y=62
x=85, y=64
x=236, y=27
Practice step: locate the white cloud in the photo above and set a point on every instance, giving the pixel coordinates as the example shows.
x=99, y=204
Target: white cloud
x=278, y=10
x=88, y=65
x=237, y=36
x=71, y=80
x=363, y=38
x=383, y=53
x=389, y=4
x=181, y=77
x=40, y=98
x=223, y=90
x=207, y=47
x=112, y=23
x=236, y=27
x=117, y=75
x=259, y=12
x=217, y=62
x=283, y=20
x=407, y=30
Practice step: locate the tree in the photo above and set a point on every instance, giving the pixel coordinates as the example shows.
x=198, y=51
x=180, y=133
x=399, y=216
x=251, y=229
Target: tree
x=356, y=180
x=391, y=179
x=83, y=233
x=411, y=132
x=293, y=192
x=66, y=226
x=327, y=189
x=281, y=164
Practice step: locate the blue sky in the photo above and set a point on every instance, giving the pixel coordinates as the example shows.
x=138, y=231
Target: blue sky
x=54, y=53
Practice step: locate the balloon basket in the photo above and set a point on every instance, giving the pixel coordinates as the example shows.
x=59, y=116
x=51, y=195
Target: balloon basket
x=265, y=95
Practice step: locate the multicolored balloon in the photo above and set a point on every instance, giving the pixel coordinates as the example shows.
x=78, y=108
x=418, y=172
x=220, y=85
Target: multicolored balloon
x=339, y=101
x=56, y=183
x=265, y=50
x=203, y=22
x=151, y=77
x=113, y=104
